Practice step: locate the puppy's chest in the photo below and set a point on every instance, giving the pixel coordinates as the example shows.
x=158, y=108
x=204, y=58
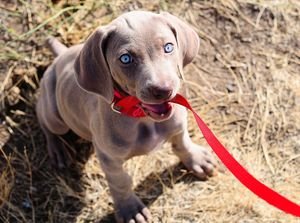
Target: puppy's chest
x=152, y=136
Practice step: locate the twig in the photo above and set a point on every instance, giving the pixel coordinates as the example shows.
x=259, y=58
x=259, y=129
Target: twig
x=243, y=16
x=261, y=12
x=250, y=119
x=2, y=88
x=262, y=136
x=10, y=70
x=29, y=17
x=206, y=36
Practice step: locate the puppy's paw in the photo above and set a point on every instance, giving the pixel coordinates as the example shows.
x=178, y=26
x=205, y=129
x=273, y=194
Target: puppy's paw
x=132, y=210
x=198, y=160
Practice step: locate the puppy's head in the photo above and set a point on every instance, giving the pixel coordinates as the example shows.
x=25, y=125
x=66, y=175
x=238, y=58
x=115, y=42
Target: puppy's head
x=141, y=54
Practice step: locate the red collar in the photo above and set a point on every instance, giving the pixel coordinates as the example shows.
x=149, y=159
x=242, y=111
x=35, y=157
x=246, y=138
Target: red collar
x=130, y=105
x=127, y=105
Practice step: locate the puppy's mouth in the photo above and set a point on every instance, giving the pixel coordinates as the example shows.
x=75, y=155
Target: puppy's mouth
x=158, y=112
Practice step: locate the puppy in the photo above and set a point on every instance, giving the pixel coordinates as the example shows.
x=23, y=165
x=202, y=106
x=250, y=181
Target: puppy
x=139, y=54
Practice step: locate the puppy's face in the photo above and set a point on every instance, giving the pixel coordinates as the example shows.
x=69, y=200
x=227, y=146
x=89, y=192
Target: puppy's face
x=142, y=55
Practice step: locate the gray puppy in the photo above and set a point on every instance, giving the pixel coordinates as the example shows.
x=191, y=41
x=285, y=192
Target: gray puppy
x=139, y=54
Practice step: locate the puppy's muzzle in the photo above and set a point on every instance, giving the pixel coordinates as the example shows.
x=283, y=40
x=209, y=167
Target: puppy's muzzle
x=160, y=93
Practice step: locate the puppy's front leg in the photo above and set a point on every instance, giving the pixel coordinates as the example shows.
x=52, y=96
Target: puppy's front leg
x=128, y=207
x=195, y=158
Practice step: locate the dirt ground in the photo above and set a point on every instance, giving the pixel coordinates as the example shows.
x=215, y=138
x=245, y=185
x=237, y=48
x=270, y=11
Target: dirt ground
x=245, y=83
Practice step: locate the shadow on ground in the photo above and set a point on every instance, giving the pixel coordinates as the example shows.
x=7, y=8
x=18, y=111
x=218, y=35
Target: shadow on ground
x=37, y=192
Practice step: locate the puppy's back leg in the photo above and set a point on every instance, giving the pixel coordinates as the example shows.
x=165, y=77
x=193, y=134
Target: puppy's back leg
x=58, y=153
x=51, y=121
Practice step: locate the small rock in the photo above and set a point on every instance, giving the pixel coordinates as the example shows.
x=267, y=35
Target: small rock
x=26, y=204
x=230, y=87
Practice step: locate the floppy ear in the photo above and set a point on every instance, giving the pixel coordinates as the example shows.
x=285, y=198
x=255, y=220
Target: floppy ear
x=91, y=69
x=187, y=39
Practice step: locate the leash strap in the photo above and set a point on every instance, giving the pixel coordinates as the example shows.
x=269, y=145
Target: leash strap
x=129, y=105
x=258, y=188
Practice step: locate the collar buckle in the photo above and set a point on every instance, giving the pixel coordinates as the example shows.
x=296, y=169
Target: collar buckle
x=115, y=109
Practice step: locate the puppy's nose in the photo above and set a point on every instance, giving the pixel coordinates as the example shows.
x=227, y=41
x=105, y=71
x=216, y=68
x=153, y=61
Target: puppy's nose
x=160, y=93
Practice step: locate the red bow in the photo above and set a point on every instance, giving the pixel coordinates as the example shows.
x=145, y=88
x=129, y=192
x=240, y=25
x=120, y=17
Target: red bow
x=130, y=106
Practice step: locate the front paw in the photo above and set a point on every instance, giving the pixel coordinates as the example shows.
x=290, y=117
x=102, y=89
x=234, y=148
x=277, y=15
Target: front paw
x=131, y=210
x=198, y=160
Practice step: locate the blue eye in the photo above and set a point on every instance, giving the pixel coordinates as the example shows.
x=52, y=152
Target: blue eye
x=169, y=47
x=126, y=58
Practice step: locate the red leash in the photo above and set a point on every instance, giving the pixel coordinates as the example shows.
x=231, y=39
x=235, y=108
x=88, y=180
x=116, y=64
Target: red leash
x=129, y=105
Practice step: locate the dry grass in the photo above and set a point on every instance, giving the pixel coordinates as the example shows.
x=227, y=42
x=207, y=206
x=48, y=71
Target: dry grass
x=244, y=82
